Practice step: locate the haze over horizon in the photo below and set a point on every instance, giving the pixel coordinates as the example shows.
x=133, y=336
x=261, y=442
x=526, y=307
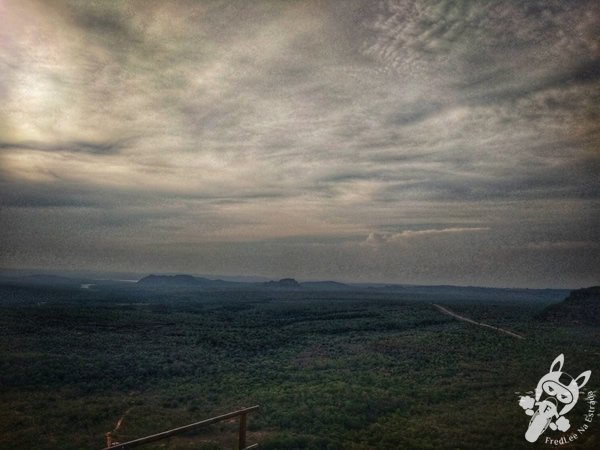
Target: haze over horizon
x=368, y=141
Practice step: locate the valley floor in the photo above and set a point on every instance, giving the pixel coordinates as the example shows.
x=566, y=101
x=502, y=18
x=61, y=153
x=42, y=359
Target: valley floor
x=362, y=369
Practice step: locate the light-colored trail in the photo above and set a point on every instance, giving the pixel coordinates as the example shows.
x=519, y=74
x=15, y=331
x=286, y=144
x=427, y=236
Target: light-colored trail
x=466, y=319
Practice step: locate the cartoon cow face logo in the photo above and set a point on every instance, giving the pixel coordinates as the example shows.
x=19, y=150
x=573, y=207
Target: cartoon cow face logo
x=556, y=394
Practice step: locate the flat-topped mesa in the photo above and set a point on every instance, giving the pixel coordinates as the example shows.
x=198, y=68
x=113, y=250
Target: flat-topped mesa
x=287, y=283
x=173, y=280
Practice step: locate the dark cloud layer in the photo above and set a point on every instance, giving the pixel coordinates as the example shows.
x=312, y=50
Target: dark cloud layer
x=98, y=148
x=407, y=141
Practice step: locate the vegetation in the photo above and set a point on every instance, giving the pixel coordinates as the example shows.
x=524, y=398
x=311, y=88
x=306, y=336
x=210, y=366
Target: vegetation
x=346, y=369
x=580, y=307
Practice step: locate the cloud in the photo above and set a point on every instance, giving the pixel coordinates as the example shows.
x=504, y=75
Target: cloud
x=385, y=238
x=264, y=123
x=95, y=148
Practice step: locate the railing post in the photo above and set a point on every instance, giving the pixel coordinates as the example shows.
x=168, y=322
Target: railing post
x=242, y=435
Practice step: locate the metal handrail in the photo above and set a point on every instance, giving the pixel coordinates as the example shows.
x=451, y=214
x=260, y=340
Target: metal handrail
x=168, y=433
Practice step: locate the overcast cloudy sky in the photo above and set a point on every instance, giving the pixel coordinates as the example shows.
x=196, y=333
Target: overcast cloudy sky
x=399, y=141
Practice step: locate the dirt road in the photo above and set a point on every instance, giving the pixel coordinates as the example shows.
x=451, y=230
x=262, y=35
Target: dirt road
x=466, y=319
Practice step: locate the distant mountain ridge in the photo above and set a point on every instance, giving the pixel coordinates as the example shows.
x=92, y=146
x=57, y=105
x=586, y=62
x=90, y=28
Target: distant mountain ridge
x=180, y=280
x=436, y=293
x=183, y=280
x=581, y=307
x=286, y=283
x=326, y=285
x=192, y=281
x=175, y=279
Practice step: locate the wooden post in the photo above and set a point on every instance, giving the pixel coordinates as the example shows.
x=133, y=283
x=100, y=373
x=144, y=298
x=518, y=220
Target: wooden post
x=242, y=435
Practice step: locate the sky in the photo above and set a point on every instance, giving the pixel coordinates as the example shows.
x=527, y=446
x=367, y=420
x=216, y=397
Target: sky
x=422, y=142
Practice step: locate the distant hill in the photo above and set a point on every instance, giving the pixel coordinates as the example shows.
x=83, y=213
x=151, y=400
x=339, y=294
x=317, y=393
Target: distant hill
x=581, y=307
x=45, y=280
x=437, y=294
x=284, y=283
x=325, y=285
x=178, y=281
x=192, y=281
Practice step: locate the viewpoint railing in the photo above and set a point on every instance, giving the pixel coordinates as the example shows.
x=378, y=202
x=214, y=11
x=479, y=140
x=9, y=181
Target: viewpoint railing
x=241, y=413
